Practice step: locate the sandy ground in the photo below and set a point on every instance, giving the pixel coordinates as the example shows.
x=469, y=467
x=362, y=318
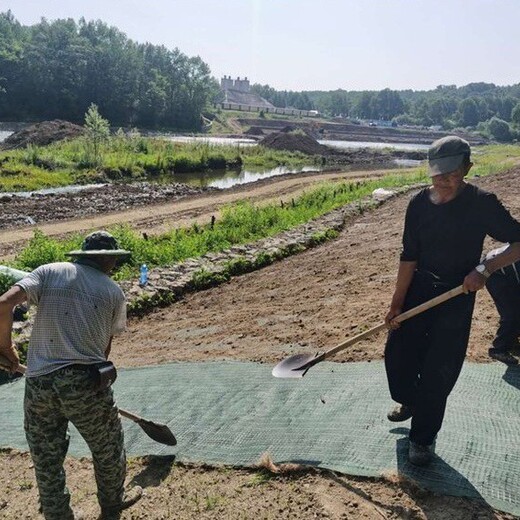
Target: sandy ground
x=304, y=303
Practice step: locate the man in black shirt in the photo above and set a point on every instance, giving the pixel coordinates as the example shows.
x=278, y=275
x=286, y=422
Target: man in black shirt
x=444, y=231
x=504, y=287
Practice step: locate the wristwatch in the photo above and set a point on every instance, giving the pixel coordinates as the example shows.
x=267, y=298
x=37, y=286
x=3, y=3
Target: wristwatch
x=481, y=269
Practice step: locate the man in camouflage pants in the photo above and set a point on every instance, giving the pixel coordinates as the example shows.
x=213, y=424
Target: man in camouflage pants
x=79, y=310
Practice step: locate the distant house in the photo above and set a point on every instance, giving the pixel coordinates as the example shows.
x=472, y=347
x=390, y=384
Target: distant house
x=238, y=92
x=237, y=95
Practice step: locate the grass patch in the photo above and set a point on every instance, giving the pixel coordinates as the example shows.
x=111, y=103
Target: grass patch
x=128, y=158
x=245, y=223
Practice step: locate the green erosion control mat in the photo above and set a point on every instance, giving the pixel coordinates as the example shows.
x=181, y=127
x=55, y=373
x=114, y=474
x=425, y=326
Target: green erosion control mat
x=335, y=417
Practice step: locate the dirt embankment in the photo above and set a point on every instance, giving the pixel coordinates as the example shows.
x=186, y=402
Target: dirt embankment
x=20, y=211
x=351, y=132
x=42, y=134
x=304, y=142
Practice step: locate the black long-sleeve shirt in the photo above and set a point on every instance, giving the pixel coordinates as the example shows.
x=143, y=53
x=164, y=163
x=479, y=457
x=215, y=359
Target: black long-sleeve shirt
x=447, y=239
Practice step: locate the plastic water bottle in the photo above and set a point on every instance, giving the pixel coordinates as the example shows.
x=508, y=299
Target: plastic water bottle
x=143, y=275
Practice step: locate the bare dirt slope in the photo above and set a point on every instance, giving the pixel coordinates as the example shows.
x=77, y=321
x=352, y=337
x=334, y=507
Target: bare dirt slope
x=310, y=301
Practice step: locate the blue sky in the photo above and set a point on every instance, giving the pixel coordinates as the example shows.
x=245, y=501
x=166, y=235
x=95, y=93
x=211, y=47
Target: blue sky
x=319, y=44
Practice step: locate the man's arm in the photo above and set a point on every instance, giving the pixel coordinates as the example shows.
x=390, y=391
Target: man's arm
x=475, y=281
x=404, y=279
x=508, y=256
x=8, y=301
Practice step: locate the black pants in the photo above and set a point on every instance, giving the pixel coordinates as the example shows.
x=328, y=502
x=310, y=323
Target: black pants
x=424, y=357
x=505, y=291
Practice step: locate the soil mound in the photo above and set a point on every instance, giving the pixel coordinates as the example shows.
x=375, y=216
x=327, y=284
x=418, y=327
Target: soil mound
x=254, y=130
x=42, y=134
x=294, y=141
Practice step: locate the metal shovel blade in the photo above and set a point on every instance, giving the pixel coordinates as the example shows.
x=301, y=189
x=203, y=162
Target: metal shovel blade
x=158, y=432
x=294, y=366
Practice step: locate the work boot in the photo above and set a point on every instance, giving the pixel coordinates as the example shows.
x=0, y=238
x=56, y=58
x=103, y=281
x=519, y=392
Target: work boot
x=401, y=412
x=129, y=499
x=420, y=455
x=503, y=356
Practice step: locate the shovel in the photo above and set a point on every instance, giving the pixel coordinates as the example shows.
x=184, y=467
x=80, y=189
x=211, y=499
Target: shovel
x=156, y=431
x=298, y=365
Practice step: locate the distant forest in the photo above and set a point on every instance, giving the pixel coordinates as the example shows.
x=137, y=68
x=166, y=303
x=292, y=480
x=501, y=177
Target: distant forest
x=57, y=69
x=485, y=107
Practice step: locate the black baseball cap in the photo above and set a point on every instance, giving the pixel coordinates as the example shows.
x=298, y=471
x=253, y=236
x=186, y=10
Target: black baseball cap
x=447, y=154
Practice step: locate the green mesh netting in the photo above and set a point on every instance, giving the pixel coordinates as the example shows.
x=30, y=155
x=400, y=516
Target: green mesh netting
x=335, y=417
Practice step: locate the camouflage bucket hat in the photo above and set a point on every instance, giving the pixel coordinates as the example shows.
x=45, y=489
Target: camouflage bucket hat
x=447, y=154
x=99, y=243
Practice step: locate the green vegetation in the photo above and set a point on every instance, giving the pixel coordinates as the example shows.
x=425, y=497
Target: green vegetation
x=260, y=478
x=239, y=224
x=97, y=131
x=95, y=158
x=244, y=223
x=6, y=282
x=56, y=69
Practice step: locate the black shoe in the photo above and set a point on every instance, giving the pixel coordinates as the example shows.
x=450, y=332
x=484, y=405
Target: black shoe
x=503, y=356
x=129, y=499
x=420, y=455
x=400, y=413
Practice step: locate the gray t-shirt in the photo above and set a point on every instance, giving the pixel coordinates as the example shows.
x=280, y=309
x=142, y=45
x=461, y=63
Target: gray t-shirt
x=79, y=309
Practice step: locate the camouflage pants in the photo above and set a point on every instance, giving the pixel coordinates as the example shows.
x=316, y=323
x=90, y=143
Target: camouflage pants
x=51, y=401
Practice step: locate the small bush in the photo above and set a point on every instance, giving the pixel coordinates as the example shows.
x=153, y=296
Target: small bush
x=239, y=266
x=186, y=164
x=204, y=279
x=263, y=259
x=6, y=282
x=42, y=250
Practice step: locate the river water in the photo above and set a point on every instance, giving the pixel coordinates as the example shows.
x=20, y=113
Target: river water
x=341, y=145
x=227, y=179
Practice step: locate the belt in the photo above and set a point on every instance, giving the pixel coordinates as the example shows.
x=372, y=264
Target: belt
x=79, y=366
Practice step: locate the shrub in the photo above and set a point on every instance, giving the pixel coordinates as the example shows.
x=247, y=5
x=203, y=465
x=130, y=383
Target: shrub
x=41, y=250
x=6, y=282
x=186, y=164
x=499, y=129
x=204, y=279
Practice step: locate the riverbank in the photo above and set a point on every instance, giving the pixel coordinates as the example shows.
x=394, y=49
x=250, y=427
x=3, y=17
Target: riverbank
x=132, y=157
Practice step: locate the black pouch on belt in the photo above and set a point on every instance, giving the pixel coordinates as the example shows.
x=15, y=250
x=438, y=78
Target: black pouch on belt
x=103, y=374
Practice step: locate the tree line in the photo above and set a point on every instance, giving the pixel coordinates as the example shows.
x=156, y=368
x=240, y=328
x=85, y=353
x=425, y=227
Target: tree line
x=57, y=69
x=491, y=109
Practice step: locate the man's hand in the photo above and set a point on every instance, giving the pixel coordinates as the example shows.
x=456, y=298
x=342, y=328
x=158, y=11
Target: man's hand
x=394, y=311
x=473, y=282
x=11, y=355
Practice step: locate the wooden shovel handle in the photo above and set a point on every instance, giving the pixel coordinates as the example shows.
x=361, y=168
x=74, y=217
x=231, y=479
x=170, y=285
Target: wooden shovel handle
x=402, y=317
